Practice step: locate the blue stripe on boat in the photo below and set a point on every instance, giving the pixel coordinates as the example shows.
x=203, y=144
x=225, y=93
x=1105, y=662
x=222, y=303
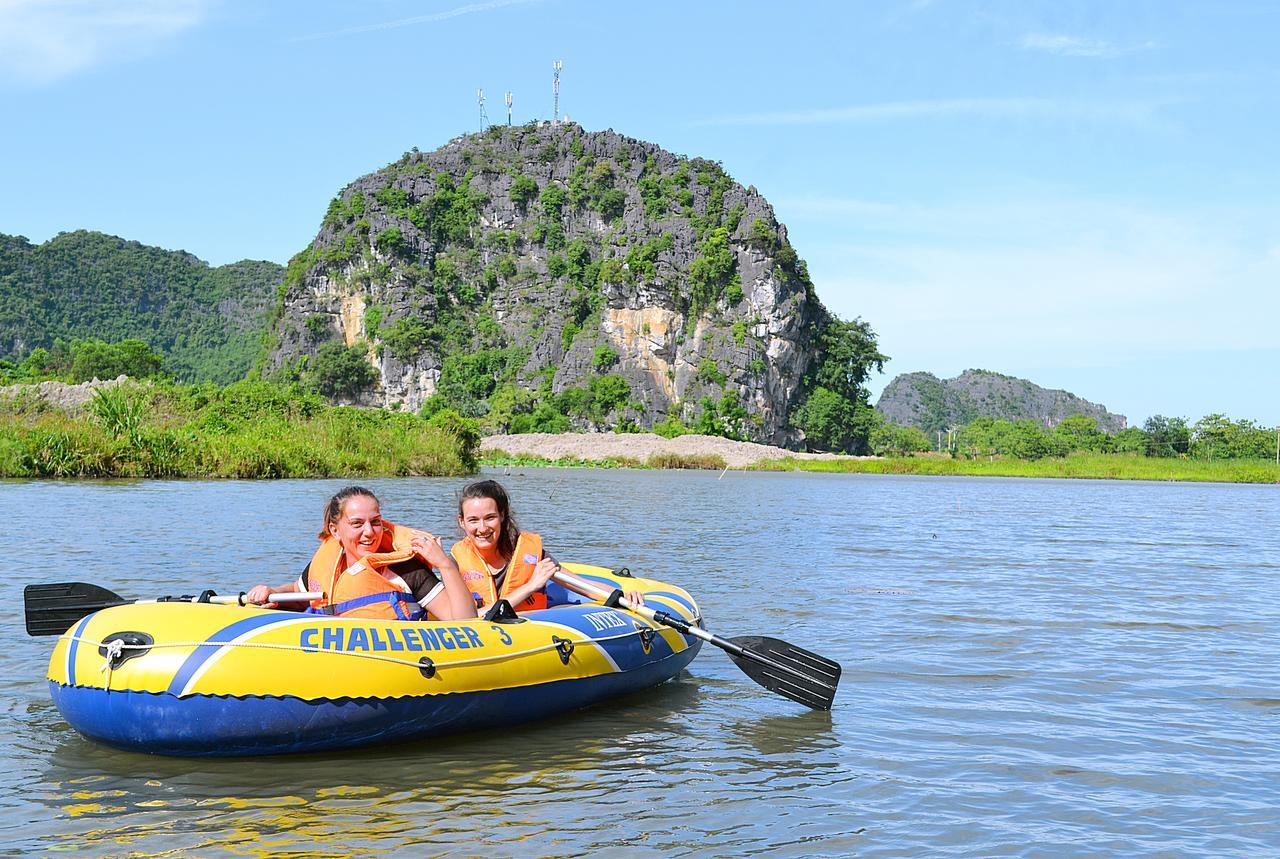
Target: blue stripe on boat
x=71, y=649
x=611, y=584
x=209, y=725
x=626, y=651
x=211, y=646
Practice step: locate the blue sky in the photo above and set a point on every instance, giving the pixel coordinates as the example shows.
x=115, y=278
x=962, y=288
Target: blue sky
x=1084, y=194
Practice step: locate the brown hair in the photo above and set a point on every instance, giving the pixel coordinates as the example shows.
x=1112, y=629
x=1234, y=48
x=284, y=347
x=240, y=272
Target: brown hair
x=333, y=508
x=493, y=489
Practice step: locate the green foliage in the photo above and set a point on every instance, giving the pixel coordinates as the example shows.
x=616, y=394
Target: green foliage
x=603, y=359
x=612, y=203
x=739, y=333
x=544, y=418
x=119, y=410
x=890, y=439
x=568, y=333
x=641, y=259
x=556, y=266
x=94, y=359
x=670, y=427
x=341, y=371
x=247, y=430
x=1080, y=432
x=848, y=351
x=831, y=421
x=711, y=271
x=391, y=241
x=1167, y=436
x=406, y=338
x=318, y=325
x=1218, y=437
x=1129, y=440
x=450, y=214
x=987, y=436
x=467, y=379
x=710, y=373
x=207, y=322
x=523, y=190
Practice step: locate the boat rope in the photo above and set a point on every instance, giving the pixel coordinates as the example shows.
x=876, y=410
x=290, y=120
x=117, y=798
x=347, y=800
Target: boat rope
x=115, y=647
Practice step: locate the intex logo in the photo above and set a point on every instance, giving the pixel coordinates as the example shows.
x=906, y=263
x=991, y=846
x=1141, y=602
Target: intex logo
x=603, y=620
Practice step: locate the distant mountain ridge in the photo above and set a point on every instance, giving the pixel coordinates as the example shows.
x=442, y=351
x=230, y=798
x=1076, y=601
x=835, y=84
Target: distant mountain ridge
x=208, y=321
x=932, y=404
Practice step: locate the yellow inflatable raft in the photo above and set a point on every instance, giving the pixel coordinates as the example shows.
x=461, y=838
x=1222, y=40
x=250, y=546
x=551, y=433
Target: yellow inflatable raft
x=187, y=678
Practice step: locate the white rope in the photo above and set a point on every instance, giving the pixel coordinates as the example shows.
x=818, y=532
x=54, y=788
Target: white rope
x=115, y=647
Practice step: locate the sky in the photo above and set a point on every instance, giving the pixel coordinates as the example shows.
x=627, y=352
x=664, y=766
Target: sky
x=1083, y=194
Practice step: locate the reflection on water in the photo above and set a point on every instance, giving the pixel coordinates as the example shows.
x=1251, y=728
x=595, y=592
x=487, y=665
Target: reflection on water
x=1031, y=667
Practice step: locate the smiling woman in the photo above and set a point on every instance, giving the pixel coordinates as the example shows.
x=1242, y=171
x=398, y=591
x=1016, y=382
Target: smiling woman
x=368, y=567
x=497, y=561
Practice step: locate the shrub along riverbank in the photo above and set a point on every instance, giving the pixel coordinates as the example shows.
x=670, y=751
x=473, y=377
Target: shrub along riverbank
x=1096, y=466
x=245, y=430
x=1099, y=466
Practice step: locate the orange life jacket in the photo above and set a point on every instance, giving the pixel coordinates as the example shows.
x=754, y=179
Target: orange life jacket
x=479, y=580
x=361, y=590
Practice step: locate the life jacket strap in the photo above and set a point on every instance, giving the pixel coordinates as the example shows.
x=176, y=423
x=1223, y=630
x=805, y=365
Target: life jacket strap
x=397, y=600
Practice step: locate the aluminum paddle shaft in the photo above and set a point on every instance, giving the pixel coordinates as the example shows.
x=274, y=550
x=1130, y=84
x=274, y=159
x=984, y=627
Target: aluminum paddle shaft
x=790, y=671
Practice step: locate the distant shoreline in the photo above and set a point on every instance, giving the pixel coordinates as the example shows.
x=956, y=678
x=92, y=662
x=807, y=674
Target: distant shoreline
x=647, y=450
x=640, y=448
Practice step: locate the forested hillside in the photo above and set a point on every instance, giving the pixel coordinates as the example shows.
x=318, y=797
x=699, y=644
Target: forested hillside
x=208, y=322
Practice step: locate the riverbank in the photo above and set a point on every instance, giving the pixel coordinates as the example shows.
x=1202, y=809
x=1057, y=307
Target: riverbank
x=647, y=450
x=637, y=450
x=245, y=430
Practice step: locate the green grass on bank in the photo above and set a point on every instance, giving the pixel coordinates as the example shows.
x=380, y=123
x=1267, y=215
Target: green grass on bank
x=246, y=430
x=1102, y=466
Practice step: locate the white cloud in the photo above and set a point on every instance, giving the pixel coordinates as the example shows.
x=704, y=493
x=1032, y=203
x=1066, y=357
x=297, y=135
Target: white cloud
x=418, y=19
x=42, y=41
x=993, y=108
x=1075, y=46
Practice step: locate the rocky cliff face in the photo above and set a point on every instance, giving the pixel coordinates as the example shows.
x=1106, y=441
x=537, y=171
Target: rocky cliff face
x=543, y=261
x=932, y=404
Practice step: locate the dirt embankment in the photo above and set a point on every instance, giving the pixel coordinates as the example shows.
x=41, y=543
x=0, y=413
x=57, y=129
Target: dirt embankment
x=61, y=395
x=639, y=446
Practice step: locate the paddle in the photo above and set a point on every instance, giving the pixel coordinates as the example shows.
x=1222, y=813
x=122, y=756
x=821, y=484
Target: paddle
x=790, y=671
x=53, y=608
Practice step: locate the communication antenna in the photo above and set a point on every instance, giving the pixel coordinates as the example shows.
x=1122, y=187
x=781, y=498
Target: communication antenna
x=555, y=91
x=508, y=110
x=484, y=117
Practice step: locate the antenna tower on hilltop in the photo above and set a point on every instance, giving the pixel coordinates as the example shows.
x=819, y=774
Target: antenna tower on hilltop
x=508, y=110
x=555, y=90
x=484, y=117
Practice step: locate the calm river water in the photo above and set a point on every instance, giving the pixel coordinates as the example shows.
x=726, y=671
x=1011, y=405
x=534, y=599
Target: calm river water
x=1057, y=668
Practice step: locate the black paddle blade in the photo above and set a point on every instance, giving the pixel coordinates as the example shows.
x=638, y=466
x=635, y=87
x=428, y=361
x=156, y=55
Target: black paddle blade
x=53, y=609
x=791, y=671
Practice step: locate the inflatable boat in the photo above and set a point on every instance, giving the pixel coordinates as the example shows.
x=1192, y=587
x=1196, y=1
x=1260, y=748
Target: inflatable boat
x=195, y=678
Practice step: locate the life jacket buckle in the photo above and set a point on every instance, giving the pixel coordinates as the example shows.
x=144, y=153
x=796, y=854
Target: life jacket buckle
x=564, y=647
